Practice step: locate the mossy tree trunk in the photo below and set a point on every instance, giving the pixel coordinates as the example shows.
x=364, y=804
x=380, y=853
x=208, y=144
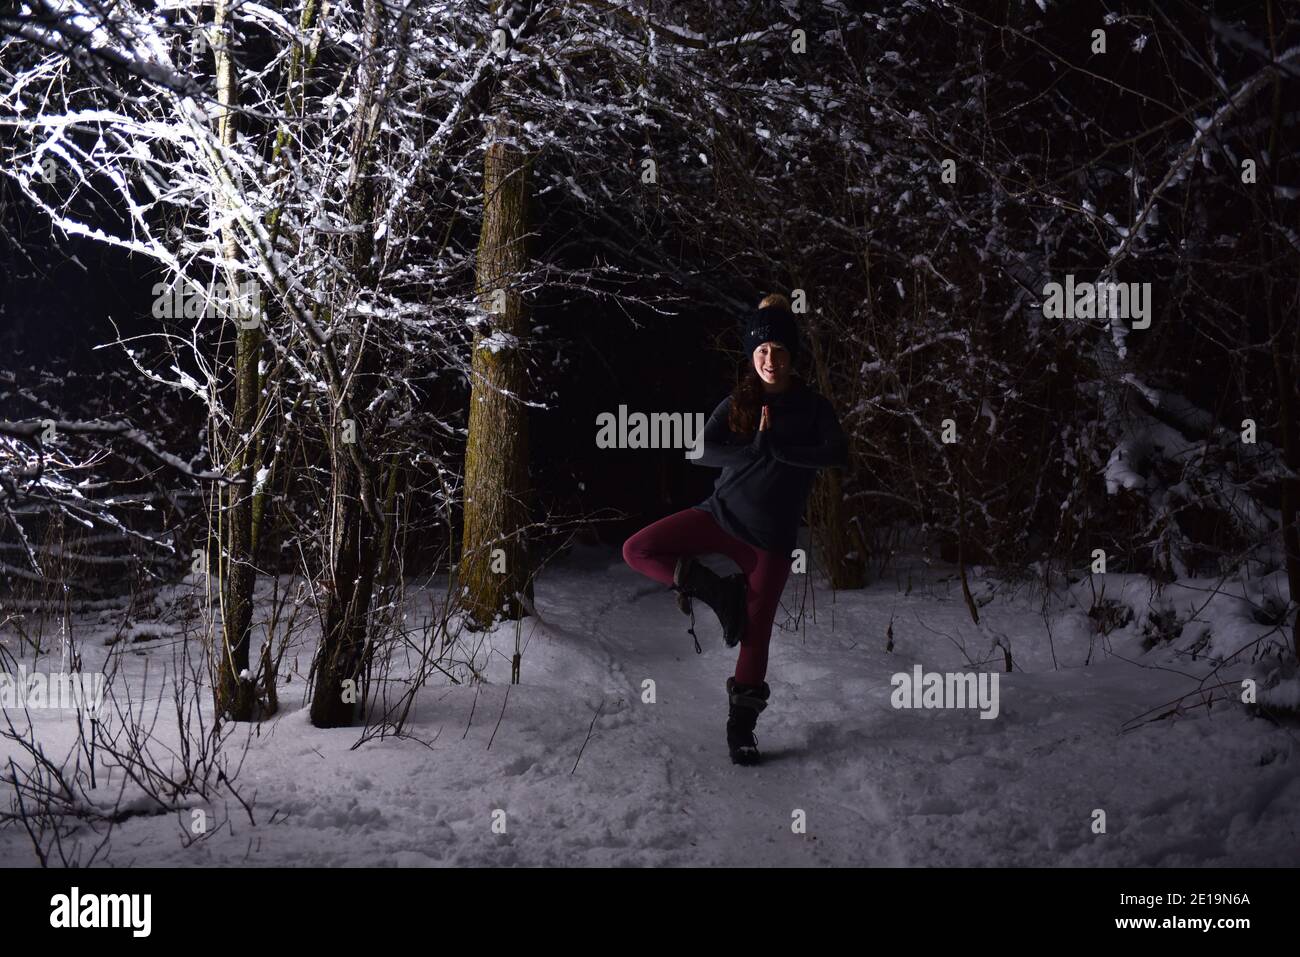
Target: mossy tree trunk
x=493, y=568
x=842, y=547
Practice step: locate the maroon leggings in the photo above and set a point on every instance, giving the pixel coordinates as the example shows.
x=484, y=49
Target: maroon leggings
x=654, y=551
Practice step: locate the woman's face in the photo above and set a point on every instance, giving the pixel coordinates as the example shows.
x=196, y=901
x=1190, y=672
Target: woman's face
x=772, y=363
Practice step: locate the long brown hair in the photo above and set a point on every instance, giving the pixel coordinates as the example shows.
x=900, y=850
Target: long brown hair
x=747, y=396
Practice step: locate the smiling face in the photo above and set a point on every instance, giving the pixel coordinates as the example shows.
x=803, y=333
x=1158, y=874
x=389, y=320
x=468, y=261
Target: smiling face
x=772, y=363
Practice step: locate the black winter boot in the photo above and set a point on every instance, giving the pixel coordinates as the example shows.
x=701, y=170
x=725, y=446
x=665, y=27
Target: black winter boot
x=726, y=596
x=746, y=703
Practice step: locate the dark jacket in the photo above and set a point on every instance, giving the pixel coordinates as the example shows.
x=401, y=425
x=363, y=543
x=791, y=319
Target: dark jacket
x=766, y=476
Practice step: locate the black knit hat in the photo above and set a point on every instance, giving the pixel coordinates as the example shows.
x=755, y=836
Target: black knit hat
x=771, y=324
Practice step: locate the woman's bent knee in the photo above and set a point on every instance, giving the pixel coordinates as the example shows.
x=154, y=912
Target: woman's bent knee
x=633, y=551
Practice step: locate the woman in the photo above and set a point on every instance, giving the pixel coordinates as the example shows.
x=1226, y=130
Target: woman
x=769, y=437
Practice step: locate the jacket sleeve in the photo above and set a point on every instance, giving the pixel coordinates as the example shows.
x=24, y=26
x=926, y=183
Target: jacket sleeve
x=831, y=450
x=723, y=448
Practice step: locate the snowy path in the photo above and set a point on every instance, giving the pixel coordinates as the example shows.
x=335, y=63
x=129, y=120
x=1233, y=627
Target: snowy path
x=879, y=786
x=735, y=811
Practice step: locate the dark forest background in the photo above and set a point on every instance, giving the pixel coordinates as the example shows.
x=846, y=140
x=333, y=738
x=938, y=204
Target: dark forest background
x=912, y=174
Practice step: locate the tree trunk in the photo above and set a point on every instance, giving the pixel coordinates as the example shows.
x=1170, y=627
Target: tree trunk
x=233, y=688
x=843, y=554
x=496, y=457
x=338, y=694
x=335, y=703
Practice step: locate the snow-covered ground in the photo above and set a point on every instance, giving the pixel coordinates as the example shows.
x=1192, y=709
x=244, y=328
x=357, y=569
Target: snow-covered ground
x=876, y=785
